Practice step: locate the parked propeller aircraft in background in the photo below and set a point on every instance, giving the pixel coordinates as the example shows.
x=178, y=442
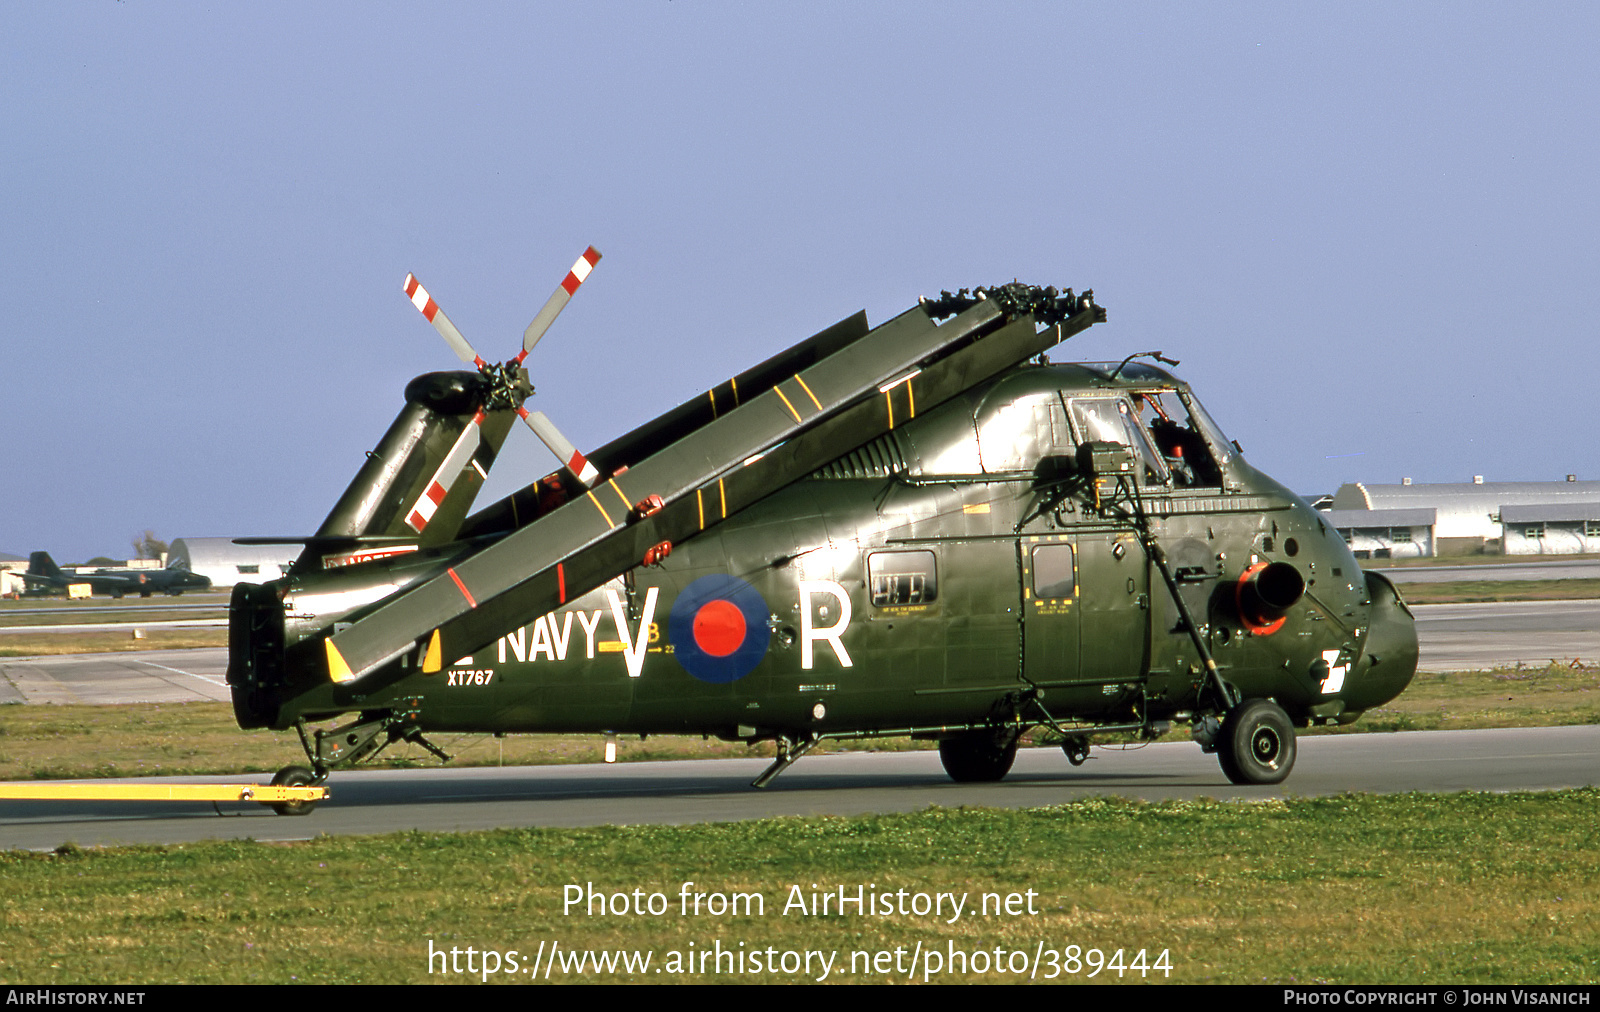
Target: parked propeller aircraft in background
x=45, y=577
x=921, y=529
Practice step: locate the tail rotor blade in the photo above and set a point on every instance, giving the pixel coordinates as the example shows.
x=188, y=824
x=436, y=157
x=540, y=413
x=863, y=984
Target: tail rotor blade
x=574, y=461
x=558, y=300
x=424, y=302
x=438, y=486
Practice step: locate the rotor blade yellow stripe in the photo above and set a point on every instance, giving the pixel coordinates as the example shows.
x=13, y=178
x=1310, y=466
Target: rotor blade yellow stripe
x=712, y=393
x=601, y=508
x=792, y=411
x=625, y=503
x=724, y=493
x=911, y=399
x=733, y=382
x=809, y=394
x=888, y=398
x=700, y=504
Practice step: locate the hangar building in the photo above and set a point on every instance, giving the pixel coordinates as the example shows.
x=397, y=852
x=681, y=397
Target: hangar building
x=1469, y=518
x=1387, y=534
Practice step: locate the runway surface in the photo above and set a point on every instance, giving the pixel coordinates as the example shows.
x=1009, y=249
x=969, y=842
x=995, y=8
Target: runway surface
x=1532, y=569
x=718, y=790
x=1464, y=637
x=186, y=623
x=141, y=676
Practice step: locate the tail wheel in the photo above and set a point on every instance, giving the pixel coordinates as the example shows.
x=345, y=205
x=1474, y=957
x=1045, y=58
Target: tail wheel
x=1257, y=743
x=977, y=758
x=1076, y=749
x=294, y=776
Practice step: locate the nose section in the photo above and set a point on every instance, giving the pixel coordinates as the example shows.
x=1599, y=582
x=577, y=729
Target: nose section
x=1390, y=659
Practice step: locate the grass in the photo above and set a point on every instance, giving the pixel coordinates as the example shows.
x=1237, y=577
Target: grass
x=111, y=641
x=1504, y=697
x=1465, y=888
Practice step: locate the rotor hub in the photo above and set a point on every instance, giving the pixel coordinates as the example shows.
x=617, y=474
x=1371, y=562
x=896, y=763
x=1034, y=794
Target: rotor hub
x=507, y=385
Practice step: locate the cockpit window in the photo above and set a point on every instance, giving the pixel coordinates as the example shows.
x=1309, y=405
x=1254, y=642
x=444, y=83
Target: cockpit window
x=1203, y=421
x=1108, y=420
x=1178, y=438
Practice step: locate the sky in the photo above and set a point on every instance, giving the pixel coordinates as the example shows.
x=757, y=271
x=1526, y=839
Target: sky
x=1368, y=231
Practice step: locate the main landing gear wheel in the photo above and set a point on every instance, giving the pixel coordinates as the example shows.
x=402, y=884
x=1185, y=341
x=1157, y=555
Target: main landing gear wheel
x=1256, y=745
x=294, y=776
x=977, y=758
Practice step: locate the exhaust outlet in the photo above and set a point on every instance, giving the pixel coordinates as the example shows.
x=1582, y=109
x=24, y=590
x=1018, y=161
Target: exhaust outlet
x=1265, y=593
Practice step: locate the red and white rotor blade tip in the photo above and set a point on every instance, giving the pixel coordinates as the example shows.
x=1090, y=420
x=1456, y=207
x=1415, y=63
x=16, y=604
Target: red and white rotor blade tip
x=424, y=302
x=560, y=298
x=559, y=445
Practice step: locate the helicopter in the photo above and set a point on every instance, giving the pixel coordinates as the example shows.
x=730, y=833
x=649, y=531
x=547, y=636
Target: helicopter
x=924, y=529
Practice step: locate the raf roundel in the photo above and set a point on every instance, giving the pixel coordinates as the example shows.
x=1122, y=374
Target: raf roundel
x=718, y=628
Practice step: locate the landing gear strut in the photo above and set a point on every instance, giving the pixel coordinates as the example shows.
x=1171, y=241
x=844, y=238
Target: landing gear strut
x=360, y=739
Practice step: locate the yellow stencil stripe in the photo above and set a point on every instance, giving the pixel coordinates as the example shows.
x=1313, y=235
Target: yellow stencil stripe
x=888, y=398
x=911, y=399
x=700, y=504
x=792, y=411
x=724, y=493
x=712, y=393
x=809, y=394
x=601, y=508
x=733, y=383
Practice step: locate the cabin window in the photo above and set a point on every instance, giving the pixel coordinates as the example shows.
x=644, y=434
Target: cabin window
x=248, y=570
x=902, y=578
x=1053, y=574
x=1535, y=532
x=1591, y=528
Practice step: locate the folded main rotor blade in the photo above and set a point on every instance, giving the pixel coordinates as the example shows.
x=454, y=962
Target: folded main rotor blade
x=698, y=477
x=558, y=300
x=559, y=445
x=424, y=302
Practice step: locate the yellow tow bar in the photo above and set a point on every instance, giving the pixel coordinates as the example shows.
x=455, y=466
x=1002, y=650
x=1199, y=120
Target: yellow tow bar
x=266, y=794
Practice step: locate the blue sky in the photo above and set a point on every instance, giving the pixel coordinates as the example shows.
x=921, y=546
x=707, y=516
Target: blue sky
x=1369, y=231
